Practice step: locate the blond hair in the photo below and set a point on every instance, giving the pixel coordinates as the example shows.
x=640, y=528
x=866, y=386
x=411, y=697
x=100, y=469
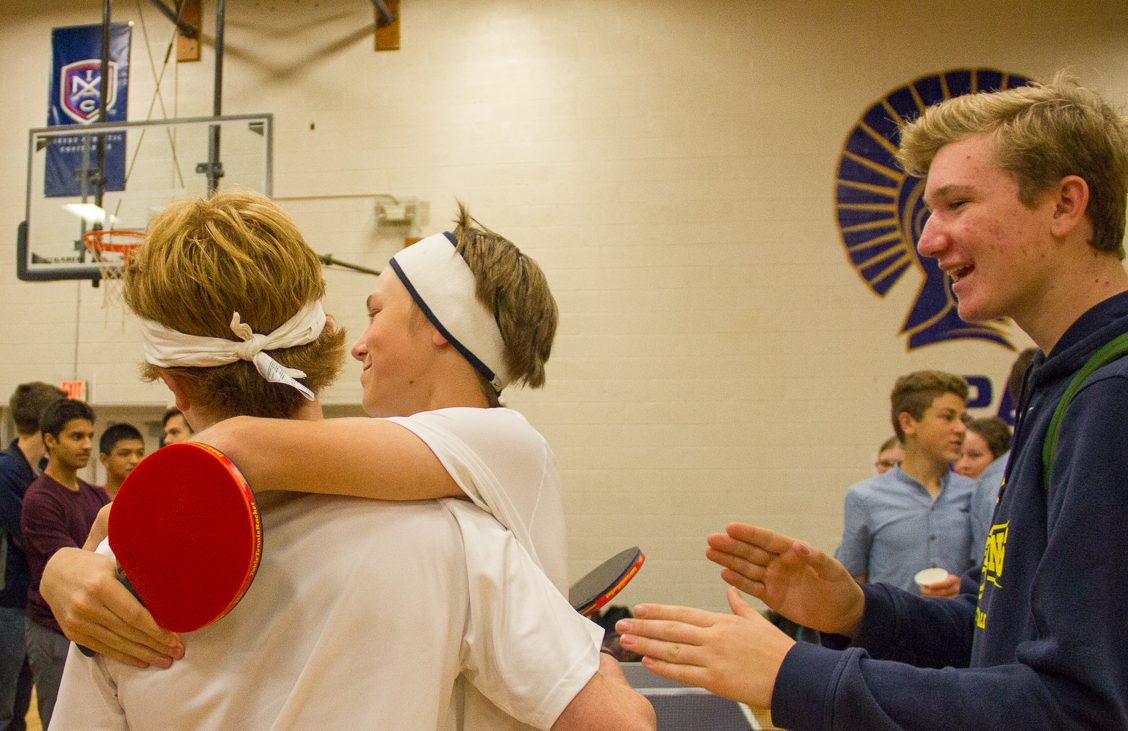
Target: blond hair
x=915, y=392
x=203, y=260
x=1041, y=134
x=511, y=285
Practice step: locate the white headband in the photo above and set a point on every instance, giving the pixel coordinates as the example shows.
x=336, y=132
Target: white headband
x=442, y=284
x=165, y=347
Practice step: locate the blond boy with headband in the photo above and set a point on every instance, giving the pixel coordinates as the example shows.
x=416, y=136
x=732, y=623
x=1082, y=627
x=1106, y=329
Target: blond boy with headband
x=333, y=621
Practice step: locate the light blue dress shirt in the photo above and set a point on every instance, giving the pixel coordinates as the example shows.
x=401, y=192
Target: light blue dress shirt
x=894, y=528
x=983, y=505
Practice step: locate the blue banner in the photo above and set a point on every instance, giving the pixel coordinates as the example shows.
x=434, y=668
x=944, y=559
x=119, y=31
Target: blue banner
x=76, y=88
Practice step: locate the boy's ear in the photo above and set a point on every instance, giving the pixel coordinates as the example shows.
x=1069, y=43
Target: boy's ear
x=1071, y=202
x=907, y=422
x=179, y=388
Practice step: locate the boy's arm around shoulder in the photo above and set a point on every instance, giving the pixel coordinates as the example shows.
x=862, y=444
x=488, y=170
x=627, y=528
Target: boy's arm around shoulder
x=352, y=456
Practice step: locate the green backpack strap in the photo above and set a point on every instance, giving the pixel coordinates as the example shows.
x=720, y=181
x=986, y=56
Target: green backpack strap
x=1110, y=351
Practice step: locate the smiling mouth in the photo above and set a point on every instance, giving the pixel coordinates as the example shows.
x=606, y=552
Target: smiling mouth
x=960, y=272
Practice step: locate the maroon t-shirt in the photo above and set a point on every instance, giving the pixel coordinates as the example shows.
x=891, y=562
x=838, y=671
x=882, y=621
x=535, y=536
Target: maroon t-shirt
x=54, y=517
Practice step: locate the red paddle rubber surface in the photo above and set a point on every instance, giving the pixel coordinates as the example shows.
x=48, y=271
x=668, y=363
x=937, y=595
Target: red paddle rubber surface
x=185, y=529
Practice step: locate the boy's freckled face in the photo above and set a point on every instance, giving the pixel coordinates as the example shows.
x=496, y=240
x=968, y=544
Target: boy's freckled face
x=992, y=246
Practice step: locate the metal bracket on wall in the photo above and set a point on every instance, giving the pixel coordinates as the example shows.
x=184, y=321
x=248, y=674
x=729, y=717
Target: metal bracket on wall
x=387, y=24
x=186, y=17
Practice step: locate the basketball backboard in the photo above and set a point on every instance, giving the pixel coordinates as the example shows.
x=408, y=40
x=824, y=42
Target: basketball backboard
x=146, y=165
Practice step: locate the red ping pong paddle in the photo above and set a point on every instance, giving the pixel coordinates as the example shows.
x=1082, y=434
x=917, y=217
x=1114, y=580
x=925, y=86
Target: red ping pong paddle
x=603, y=582
x=186, y=532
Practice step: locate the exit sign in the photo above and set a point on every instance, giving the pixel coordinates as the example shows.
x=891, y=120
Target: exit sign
x=75, y=389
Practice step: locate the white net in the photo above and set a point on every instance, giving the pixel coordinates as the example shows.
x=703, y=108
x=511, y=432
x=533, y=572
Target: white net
x=111, y=249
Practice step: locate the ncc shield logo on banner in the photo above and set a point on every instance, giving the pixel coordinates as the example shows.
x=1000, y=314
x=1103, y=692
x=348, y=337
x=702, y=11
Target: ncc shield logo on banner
x=74, y=99
x=80, y=86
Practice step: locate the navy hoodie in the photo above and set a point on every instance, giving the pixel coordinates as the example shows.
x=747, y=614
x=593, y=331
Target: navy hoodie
x=1046, y=646
x=15, y=475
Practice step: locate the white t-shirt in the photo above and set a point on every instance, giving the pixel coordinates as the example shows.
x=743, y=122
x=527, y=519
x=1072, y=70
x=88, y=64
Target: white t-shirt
x=363, y=614
x=506, y=467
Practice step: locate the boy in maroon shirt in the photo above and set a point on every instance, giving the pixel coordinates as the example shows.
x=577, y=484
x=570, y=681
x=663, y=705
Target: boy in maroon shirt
x=58, y=510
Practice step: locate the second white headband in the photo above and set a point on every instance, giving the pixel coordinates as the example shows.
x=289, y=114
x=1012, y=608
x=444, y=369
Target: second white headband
x=443, y=286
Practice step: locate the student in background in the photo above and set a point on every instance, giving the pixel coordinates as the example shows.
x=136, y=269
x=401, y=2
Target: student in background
x=120, y=449
x=174, y=427
x=58, y=510
x=889, y=455
x=1015, y=380
x=988, y=438
x=20, y=463
x=991, y=440
x=916, y=515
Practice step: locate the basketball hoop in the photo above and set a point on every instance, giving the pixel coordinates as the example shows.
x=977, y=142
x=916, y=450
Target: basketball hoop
x=112, y=249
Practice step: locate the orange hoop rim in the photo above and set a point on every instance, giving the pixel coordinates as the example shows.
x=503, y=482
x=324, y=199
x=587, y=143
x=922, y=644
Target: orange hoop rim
x=102, y=240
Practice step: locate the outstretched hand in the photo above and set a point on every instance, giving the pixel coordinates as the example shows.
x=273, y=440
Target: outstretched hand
x=95, y=610
x=792, y=577
x=736, y=655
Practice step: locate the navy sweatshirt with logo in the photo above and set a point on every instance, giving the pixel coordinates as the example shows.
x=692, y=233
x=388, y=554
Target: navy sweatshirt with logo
x=1046, y=644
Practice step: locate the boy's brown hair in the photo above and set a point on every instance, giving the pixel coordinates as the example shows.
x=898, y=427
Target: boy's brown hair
x=511, y=285
x=28, y=403
x=915, y=392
